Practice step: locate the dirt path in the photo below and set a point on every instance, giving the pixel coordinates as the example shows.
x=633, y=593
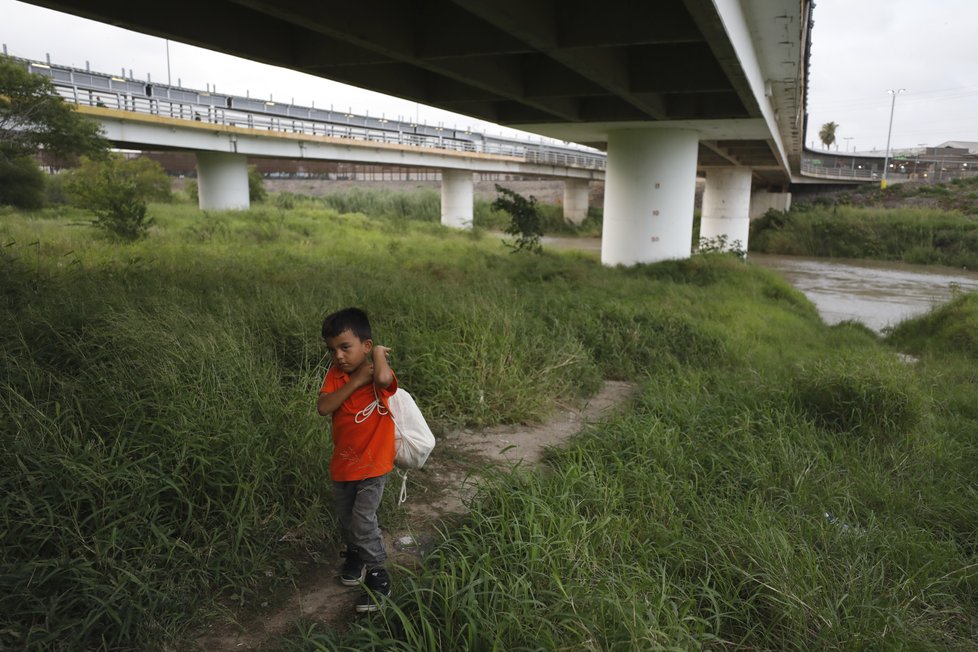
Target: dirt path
x=449, y=480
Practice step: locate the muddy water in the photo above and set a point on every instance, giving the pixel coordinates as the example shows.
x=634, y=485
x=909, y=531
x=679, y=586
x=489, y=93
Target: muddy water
x=878, y=294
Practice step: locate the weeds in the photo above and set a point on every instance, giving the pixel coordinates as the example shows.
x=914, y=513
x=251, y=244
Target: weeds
x=161, y=454
x=911, y=235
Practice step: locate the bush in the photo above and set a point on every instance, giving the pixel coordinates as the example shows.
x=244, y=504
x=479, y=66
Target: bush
x=525, y=224
x=256, y=185
x=21, y=183
x=55, y=191
x=192, y=191
x=117, y=190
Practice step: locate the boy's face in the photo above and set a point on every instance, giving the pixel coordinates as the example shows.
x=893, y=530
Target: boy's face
x=348, y=351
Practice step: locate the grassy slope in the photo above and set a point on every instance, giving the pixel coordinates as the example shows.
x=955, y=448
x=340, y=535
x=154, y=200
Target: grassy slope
x=170, y=383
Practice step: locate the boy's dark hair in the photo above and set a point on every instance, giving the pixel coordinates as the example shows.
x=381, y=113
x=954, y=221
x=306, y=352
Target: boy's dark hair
x=348, y=319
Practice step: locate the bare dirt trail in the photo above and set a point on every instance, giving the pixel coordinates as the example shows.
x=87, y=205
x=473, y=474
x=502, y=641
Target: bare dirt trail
x=450, y=479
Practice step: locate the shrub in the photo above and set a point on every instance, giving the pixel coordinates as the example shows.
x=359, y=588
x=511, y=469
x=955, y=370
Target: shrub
x=192, y=191
x=117, y=190
x=256, y=185
x=54, y=189
x=525, y=224
x=21, y=183
x=286, y=200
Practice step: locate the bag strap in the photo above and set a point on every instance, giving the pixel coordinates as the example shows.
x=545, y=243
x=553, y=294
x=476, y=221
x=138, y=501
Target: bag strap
x=402, y=494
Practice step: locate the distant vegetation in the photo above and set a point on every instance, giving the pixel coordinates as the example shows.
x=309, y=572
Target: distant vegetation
x=775, y=483
x=924, y=224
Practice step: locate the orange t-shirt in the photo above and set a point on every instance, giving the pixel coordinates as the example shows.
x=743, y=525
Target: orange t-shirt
x=360, y=450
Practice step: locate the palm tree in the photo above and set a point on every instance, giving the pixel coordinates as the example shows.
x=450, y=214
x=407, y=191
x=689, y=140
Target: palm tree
x=827, y=133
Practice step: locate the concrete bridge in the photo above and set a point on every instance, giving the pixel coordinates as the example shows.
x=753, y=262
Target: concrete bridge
x=224, y=130
x=665, y=87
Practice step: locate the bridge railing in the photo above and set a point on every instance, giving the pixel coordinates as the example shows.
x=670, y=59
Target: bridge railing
x=826, y=172
x=97, y=89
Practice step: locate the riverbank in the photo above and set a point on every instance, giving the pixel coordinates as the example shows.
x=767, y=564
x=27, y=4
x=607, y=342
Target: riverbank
x=755, y=493
x=920, y=224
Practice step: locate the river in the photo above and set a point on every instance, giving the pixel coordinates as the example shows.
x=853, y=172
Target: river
x=877, y=293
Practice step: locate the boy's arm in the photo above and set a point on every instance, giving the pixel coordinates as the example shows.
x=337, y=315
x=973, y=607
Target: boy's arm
x=328, y=402
x=383, y=376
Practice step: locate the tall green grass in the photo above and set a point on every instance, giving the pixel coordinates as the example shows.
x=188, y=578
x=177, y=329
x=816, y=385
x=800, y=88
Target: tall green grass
x=913, y=235
x=775, y=483
x=424, y=205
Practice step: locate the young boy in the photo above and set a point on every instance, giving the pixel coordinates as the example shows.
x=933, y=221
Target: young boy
x=363, y=446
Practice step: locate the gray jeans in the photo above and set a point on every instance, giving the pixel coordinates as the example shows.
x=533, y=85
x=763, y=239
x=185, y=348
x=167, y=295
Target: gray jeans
x=356, y=506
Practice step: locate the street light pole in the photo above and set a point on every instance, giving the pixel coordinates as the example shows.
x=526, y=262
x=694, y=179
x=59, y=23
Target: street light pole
x=168, y=81
x=847, y=139
x=886, y=160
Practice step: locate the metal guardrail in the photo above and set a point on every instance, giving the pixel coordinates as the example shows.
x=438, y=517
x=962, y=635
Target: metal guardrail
x=98, y=89
x=856, y=174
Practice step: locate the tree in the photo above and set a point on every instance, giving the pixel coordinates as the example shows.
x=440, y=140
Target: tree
x=32, y=116
x=827, y=133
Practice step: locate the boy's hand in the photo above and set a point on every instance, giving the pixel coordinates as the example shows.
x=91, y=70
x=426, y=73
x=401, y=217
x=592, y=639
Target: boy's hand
x=383, y=376
x=362, y=375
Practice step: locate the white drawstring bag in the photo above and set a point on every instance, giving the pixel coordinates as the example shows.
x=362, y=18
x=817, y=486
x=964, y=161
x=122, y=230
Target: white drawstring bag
x=413, y=440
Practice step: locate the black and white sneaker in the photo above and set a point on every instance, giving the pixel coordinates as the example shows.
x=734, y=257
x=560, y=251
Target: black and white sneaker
x=376, y=587
x=353, y=570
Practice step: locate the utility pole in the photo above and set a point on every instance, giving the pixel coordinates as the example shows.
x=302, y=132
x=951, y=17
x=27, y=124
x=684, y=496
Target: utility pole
x=886, y=159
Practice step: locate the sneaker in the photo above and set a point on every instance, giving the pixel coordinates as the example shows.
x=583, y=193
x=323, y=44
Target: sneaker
x=376, y=587
x=353, y=570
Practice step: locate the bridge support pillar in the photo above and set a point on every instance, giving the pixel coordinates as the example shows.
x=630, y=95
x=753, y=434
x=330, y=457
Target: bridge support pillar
x=726, y=206
x=222, y=181
x=764, y=200
x=456, y=198
x=650, y=183
x=575, y=200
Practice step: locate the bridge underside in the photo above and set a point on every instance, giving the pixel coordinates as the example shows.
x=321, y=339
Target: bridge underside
x=574, y=70
x=666, y=87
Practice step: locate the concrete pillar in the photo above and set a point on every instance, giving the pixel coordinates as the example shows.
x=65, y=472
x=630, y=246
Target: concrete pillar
x=650, y=183
x=575, y=200
x=222, y=181
x=456, y=198
x=764, y=200
x=726, y=206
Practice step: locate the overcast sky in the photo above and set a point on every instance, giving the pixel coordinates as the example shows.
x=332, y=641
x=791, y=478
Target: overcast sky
x=860, y=49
